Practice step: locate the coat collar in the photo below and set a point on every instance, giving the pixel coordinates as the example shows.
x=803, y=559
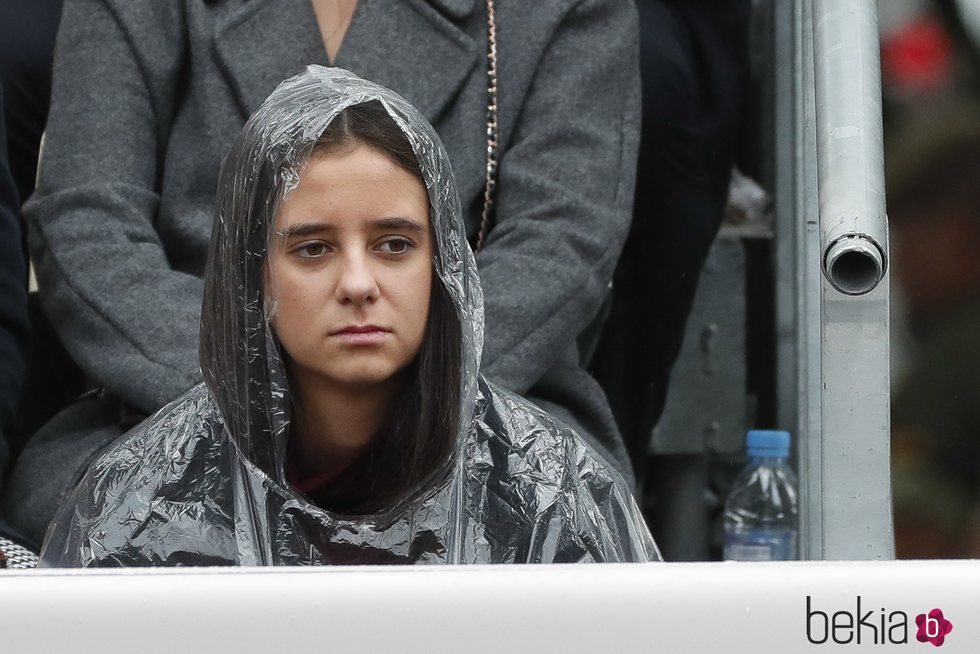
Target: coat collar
x=424, y=56
x=455, y=8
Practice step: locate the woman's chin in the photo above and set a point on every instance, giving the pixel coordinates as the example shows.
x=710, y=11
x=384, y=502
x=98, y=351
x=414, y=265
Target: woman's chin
x=372, y=375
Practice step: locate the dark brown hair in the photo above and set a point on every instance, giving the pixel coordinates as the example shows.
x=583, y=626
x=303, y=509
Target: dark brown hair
x=420, y=435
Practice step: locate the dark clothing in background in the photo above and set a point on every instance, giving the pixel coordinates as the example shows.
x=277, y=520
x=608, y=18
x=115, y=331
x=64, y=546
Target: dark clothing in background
x=14, y=327
x=27, y=33
x=695, y=73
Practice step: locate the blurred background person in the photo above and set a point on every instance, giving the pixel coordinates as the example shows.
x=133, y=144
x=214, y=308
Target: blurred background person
x=931, y=87
x=933, y=182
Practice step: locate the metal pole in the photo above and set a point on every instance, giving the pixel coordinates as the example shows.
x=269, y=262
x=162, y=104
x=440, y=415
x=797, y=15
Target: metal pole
x=796, y=250
x=854, y=477
x=847, y=78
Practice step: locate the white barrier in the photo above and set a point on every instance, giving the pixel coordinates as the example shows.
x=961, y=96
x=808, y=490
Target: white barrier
x=599, y=609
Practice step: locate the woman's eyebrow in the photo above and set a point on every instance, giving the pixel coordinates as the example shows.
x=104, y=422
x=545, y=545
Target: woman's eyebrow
x=398, y=222
x=306, y=229
x=389, y=222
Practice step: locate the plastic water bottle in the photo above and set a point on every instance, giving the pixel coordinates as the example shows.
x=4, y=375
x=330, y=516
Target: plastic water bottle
x=761, y=510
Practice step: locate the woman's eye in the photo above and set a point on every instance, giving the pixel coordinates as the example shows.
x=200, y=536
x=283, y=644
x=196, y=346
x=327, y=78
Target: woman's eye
x=311, y=250
x=396, y=246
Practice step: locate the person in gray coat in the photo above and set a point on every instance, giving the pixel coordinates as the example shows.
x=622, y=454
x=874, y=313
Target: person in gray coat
x=147, y=95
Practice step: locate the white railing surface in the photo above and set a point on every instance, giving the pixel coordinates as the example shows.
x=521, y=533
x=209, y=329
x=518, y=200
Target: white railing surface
x=594, y=609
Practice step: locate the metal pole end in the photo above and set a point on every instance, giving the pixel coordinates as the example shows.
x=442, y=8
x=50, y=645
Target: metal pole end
x=854, y=264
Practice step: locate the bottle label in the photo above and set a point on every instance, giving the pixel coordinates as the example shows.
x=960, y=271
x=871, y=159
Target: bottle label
x=761, y=545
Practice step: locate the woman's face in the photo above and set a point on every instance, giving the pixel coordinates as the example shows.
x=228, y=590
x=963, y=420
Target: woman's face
x=350, y=268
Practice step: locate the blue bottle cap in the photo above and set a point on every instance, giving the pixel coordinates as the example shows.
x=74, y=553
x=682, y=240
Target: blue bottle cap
x=768, y=443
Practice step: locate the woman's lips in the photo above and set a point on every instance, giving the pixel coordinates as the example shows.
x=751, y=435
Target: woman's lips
x=361, y=334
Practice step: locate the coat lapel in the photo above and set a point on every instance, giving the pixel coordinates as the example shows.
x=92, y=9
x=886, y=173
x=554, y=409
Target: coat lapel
x=454, y=8
x=264, y=42
x=414, y=47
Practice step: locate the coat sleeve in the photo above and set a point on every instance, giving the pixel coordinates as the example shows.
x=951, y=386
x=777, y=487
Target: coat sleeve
x=565, y=193
x=128, y=318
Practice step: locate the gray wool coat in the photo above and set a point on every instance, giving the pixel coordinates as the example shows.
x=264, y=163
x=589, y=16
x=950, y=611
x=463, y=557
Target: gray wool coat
x=149, y=94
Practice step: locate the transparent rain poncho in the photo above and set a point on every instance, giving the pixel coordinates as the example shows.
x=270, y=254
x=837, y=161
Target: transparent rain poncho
x=203, y=481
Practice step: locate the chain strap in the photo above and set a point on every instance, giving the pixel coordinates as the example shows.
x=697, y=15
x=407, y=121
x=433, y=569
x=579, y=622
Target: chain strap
x=491, y=181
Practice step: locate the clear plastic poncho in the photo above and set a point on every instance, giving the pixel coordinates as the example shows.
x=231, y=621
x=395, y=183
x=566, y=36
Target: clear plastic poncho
x=202, y=482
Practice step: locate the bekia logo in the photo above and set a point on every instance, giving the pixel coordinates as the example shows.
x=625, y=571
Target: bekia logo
x=932, y=627
x=874, y=626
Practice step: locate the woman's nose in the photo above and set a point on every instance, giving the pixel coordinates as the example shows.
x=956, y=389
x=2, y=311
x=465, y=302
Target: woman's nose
x=357, y=282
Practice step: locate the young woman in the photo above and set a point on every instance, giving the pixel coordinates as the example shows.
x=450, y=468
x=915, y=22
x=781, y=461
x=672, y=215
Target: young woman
x=342, y=419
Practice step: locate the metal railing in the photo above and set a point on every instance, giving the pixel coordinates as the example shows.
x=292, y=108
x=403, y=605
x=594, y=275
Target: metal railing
x=832, y=250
